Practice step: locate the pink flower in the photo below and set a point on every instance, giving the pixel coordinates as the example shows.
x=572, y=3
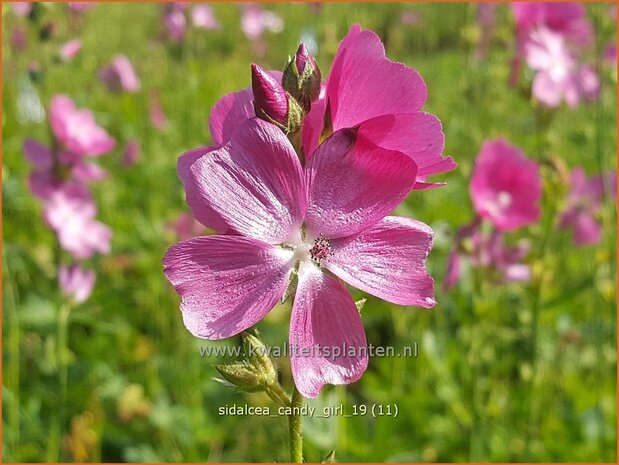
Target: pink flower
x=610, y=54
x=76, y=129
x=559, y=75
x=19, y=38
x=76, y=282
x=80, y=7
x=584, y=203
x=383, y=100
x=70, y=212
x=255, y=21
x=21, y=8
x=564, y=18
x=45, y=178
x=175, y=22
x=410, y=17
x=487, y=251
x=186, y=227
x=327, y=216
x=506, y=187
x=119, y=75
x=131, y=154
x=70, y=50
x=203, y=17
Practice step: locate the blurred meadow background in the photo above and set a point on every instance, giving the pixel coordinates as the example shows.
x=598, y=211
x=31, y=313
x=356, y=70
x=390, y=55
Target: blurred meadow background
x=522, y=371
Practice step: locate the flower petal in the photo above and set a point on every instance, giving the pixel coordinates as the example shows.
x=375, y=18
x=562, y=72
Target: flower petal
x=363, y=83
x=353, y=184
x=327, y=339
x=39, y=155
x=419, y=135
x=227, y=283
x=200, y=209
x=387, y=261
x=254, y=183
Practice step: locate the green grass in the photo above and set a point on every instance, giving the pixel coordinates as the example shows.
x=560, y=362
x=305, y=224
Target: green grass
x=138, y=389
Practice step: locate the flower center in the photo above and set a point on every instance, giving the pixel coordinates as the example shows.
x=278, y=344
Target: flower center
x=321, y=249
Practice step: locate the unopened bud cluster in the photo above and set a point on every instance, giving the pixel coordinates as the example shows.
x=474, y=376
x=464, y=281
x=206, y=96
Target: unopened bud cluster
x=285, y=103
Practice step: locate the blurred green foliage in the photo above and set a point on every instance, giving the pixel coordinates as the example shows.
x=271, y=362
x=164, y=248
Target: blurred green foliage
x=512, y=373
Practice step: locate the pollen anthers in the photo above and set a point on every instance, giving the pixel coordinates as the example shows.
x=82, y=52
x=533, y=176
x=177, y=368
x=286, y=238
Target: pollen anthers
x=321, y=249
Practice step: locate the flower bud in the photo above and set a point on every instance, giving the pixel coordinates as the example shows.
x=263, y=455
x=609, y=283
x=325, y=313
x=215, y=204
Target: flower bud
x=242, y=376
x=302, y=78
x=270, y=98
x=258, y=357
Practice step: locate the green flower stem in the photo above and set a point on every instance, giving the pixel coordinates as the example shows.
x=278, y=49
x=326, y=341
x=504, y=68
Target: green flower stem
x=278, y=395
x=294, y=427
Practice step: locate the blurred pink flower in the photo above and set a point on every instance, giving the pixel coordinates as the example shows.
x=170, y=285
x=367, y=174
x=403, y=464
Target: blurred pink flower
x=610, y=54
x=330, y=215
x=70, y=50
x=410, y=17
x=46, y=178
x=21, y=8
x=255, y=20
x=19, y=38
x=79, y=7
x=76, y=282
x=486, y=21
x=120, y=75
x=506, y=187
x=155, y=110
x=486, y=251
x=76, y=129
x=584, y=203
x=383, y=100
x=186, y=227
x=559, y=75
x=564, y=18
x=131, y=153
x=70, y=212
x=203, y=17
x=175, y=22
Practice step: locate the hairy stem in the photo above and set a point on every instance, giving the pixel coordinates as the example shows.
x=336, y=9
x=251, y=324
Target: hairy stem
x=294, y=427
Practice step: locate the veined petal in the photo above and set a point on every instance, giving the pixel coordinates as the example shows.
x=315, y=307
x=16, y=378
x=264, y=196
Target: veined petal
x=353, y=184
x=255, y=183
x=327, y=339
x=388, y=261
x=200, y=209
x=419, y=135
x=363, y=83
x=227, y=283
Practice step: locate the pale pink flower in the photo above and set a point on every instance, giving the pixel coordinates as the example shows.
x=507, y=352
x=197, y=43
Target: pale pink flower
x=506, y=186
x=76, y=282
x=255, y=20
x=76, y=129
x=559, y=75
x=120, y=75
x=19, y=38
x=21, y=8
x=202, y=16
x=70, y=212
x=584, y=204
x=330, y=215
x=410, y=17
x=564, y=18
x=175, y=22
x=70, y=50
x=80, y=7
x=487, y=252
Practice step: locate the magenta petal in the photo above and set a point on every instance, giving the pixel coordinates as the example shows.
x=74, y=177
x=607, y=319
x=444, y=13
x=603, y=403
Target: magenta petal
x=255, y=183
x=227, y=283
x=419, y=135
x=39, y=155
x=200, y=209
x=325, y=327
x=363, y=83
x=313, y=123
x=587, y=230
x=388, y=261
x=353, y=184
